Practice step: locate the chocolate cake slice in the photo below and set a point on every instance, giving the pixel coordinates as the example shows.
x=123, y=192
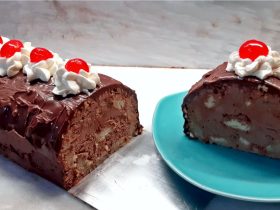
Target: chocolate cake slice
x=64, y=138
x=237, y=107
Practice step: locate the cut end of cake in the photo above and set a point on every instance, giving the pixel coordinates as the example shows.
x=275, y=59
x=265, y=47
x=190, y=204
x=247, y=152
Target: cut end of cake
x=99, y=127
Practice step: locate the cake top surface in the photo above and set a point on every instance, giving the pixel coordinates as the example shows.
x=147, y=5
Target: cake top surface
x=71, y=76
x=254, y=62
x=221, y=74
x=34, y=112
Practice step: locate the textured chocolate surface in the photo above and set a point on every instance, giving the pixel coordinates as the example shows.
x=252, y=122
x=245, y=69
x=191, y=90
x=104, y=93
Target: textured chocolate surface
x=34, y=112
x=220, y=74
x=241, y=113
x=33, y=121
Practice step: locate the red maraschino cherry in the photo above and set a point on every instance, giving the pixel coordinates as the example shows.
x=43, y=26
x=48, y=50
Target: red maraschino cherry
x=1, y=40
x=10, y=48
x=252, y=49
x=38, y=54
x=76, y=64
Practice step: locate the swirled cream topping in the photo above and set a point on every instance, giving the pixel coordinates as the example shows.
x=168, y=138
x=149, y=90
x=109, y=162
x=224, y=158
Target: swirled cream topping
x=261, y=67
x=67, y=82
x=43, y=69
x=12, y=65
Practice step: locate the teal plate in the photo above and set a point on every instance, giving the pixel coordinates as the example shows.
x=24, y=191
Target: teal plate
x=216, y=169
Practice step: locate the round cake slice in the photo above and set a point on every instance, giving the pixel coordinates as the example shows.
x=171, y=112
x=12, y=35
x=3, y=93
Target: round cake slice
x=237, y=104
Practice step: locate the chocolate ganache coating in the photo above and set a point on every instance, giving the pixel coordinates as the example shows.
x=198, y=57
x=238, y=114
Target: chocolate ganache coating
x=34, y=112
x=220, y=74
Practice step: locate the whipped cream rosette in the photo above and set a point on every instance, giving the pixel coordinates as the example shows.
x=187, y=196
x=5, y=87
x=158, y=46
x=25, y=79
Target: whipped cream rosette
x=43, y=64
x=75, y=77
x=254, y=58
x=13, y=56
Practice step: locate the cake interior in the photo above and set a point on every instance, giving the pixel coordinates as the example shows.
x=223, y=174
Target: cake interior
x=99, y=127
x=236, y=114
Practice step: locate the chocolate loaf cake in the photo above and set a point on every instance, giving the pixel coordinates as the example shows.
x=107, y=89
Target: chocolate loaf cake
x=237, y=105
x=63, y=137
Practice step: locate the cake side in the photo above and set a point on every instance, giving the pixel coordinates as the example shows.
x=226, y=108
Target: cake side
x=41, y=161
x=241, y=113
x=36, y=126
